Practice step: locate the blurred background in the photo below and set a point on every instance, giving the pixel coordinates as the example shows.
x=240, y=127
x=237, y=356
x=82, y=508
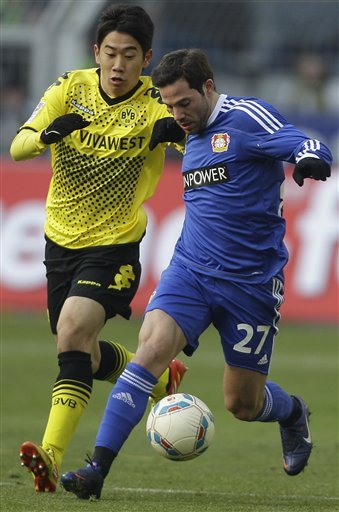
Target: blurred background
x=283, y=51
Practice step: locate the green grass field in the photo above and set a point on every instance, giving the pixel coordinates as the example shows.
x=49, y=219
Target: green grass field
x=241, y=471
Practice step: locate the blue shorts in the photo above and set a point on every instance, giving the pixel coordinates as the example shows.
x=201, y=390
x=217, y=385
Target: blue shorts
x=245, y=315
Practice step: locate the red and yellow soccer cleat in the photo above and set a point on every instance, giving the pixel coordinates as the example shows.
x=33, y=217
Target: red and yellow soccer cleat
x=41, y=464
x=177, y=370
x=169, y=381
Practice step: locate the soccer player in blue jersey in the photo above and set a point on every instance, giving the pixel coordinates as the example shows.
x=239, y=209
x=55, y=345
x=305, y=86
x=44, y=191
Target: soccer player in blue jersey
x=227, y=267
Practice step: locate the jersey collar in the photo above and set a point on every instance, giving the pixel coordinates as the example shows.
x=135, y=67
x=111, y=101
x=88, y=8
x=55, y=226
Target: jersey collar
x=114, y=101
x=216, y=109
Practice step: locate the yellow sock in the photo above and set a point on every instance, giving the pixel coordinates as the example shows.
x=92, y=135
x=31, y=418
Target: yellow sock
x=69, y=401
x=159, y=390
x=122, y=357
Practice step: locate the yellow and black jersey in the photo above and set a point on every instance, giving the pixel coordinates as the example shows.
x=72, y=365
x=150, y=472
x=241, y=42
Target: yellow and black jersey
x=102, y=174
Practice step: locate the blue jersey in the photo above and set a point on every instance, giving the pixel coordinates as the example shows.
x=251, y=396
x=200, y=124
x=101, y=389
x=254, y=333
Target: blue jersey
x=233, y=190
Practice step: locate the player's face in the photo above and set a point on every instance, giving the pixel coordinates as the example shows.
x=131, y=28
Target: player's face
x=121, y=62
x=190, y=108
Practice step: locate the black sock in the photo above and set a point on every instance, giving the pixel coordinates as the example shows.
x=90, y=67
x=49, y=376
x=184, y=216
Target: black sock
x=114, y=358
x=294, y=416
x=75, y=365
x=103, y=457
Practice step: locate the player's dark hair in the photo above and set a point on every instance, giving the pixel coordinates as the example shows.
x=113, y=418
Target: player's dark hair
x=190, y=64
x=130, y=19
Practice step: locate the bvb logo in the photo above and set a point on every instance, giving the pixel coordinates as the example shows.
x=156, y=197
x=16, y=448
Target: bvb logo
x=128, y=115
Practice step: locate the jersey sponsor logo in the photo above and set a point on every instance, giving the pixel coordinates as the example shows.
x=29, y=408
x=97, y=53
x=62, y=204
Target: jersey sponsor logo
x=125, y=397
x=123, y=279
x=36, y=111
x=205, y=176
x=220, y=142
x=82, y=108
x=90, y=283
x=101, y=142
x=307, y=439
x=65, y=401
x=128, y=115
x=154, y=93
x=263, y=360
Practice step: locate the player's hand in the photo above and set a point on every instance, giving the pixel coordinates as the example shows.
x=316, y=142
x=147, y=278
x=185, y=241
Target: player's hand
x=311, y=168
x=63, y=126
x=166, y=130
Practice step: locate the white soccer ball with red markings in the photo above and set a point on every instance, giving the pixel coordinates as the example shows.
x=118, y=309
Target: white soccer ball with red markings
x=180, y=427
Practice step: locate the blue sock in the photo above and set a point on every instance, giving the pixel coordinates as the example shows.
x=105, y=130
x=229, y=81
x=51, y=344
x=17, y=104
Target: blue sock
x=278, y=405
x=125, y=406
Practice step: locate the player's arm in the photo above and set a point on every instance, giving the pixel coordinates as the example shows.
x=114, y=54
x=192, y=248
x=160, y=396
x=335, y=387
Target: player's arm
x=28, y=143
x=164, y=129
x=49, y=123
x=167, y=130
x=312, y=158
x=32, y=141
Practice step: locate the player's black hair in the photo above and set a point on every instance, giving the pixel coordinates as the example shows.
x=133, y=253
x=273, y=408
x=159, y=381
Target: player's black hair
x=190, y=64
x=130, y=19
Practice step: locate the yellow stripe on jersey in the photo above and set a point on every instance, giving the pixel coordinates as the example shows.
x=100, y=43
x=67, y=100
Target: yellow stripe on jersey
x=103, y=173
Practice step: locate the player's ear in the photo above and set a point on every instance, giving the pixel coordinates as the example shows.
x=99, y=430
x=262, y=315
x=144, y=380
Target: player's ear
x=96, y=53
x=209, y=86
x=148, y=58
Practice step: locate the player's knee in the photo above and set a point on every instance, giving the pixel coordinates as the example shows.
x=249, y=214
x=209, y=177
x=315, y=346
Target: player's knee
x=150, y=349
x=242, y=409
x=154, y=352
x=73, y=336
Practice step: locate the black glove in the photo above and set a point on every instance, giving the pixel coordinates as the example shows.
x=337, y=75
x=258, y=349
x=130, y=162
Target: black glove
x=166, y=130
x=61, y=127
x=311, y=168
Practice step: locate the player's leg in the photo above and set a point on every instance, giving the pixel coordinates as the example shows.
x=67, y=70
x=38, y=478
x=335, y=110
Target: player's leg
x=248, y=332
x=175, y=317
x=103, y=284
x=245, y=390
x=80, y=321
x=160, y=340
x=79, y=325
x=114, y=357
x=110, y=358
x=250, y=398
x=77, y=312
x=174, y=304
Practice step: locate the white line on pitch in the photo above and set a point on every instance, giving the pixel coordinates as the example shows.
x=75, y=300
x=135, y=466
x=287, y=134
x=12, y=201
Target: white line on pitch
x=223, y=493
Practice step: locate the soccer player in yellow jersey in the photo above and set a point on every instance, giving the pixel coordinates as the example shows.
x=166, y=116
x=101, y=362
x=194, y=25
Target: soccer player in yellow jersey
x=98, y=124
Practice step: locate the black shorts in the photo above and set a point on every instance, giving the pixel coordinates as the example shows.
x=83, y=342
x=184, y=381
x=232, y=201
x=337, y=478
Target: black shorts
x=109, y=275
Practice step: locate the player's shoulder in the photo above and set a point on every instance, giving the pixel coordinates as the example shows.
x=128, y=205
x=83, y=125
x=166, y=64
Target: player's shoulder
x=150, y=96
x=233, y=102
x=85, y=77
x=69, y=81
x=149, y=91
x=252, y=112
x=146, y=82
x=80, y=76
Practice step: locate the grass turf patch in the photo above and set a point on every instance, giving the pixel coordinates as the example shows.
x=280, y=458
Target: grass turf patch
x=240, y=472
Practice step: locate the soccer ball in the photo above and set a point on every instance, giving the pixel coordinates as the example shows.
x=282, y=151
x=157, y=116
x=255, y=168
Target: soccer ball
x=180, y=427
